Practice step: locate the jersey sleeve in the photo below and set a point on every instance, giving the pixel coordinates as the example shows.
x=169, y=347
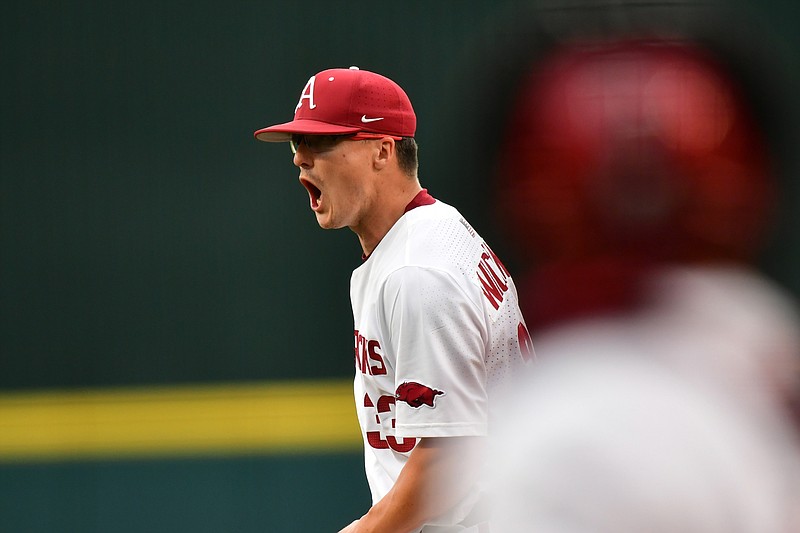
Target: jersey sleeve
x=436, y=331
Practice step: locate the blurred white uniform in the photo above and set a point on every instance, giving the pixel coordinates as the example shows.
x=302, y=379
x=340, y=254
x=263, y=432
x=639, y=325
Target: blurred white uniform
x=666, y=420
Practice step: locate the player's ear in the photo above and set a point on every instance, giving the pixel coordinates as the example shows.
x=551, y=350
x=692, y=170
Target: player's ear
x=385, y=152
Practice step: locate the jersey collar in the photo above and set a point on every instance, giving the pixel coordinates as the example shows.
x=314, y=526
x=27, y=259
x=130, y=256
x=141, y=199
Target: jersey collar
x=422, y=198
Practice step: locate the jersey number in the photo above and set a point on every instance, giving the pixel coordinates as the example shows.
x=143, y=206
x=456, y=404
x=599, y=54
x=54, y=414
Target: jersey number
x=375, y=438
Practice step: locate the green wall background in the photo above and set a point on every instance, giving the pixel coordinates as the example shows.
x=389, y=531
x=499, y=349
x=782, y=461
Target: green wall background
x=146, y=238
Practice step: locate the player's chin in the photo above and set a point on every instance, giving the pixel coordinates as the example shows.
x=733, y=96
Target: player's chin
x=326, y=222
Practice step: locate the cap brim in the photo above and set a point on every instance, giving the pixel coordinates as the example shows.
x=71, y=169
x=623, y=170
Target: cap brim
x=283, y=132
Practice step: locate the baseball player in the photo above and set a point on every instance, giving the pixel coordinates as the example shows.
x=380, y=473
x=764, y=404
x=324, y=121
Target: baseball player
x=437, y=326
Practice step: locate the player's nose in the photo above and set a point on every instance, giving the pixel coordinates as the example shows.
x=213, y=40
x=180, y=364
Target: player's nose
x=303, y=157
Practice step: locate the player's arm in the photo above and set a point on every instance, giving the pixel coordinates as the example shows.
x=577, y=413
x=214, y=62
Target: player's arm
x=438, y=474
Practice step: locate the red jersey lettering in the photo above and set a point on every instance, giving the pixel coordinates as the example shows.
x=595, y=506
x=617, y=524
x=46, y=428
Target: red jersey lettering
x=493, y=278
x=368, y=356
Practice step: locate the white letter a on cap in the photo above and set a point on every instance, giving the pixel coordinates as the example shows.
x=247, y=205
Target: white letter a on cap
x=308, y=94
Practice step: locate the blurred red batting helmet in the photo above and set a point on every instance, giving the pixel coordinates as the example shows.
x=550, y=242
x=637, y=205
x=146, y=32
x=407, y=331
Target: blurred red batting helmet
x=644, y=146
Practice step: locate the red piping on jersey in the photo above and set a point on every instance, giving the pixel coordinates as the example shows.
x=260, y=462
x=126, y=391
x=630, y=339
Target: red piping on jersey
x=422, y=198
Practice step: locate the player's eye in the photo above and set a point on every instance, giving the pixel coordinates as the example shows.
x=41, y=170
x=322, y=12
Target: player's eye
x=294, y=142
x=315, y=143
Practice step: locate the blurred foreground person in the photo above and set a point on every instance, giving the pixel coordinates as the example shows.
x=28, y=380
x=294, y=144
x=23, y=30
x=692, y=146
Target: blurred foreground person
x=638, y=181
x=640, y=185
x=609, y=442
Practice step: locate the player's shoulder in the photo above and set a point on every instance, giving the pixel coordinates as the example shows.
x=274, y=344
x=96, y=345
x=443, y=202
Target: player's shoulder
x=438, y=232
x=434, y=236
x=437, y=220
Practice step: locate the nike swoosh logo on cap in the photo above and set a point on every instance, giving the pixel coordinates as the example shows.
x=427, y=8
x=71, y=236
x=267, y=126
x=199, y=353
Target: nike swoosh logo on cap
x=366, y=120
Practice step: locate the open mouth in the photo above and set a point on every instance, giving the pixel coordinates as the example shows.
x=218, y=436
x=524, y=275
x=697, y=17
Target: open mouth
x=314, y=194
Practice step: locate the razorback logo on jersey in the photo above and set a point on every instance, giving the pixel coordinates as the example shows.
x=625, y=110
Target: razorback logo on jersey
x=416, y=394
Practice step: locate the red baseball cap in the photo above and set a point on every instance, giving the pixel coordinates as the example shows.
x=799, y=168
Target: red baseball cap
x=343, y=101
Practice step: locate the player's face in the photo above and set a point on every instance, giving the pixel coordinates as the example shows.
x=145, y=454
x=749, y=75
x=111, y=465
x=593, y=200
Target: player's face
x=336, y=173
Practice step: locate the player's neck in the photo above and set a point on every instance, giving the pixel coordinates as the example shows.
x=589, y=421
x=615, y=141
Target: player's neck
x=385, y=215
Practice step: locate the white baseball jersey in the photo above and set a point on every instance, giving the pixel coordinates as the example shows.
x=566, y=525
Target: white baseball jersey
x=437, y=329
